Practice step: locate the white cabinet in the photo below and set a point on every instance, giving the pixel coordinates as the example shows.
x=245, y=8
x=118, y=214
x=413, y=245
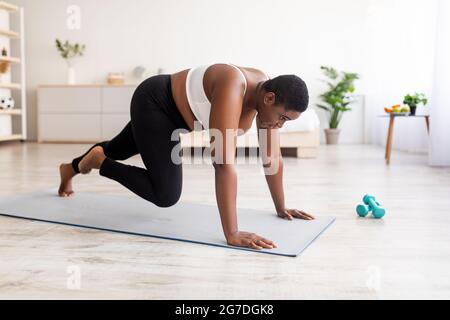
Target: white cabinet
x=117, y=100
x=69, y=127
x=95, y=113
x=82, y=113
x=112, y=124
x=70, y=100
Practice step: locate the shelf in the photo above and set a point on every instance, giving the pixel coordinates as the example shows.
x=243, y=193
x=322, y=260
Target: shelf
x=10, y=86
x=15, y=14
x=8, y=6
x=12, y=137
x=9, y=33
x=9, y=59
x=14, y=112
x=88, y=85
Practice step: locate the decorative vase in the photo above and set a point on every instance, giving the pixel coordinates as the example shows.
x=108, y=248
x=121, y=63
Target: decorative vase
x=71, y=75
x=332, y=136
x=412, y=111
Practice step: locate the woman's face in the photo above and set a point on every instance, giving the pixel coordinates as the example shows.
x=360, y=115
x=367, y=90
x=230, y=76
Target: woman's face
x=271, y=115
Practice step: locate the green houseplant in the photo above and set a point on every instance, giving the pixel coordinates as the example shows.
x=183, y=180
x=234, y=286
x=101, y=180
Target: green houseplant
x=336, y=99
x=70, y=52
x=414, y=100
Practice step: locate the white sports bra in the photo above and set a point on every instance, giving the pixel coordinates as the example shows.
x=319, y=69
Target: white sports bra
x=198, y=101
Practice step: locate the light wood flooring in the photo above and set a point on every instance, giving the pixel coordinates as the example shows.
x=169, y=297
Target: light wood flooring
x=404, y=255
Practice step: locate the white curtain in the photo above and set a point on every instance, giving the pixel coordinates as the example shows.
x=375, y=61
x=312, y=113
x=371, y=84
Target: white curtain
x=400, y=50
x=439, y=154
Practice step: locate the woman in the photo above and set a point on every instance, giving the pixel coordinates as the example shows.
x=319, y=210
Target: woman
x=220, y=97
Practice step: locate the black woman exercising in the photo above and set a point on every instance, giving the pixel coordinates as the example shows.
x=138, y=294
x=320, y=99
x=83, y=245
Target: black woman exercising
x=221, y=97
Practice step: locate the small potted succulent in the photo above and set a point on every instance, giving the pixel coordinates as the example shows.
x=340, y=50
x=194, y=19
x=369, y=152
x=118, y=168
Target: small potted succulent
x=70, y=52
x=336, y=99
x=414, y=100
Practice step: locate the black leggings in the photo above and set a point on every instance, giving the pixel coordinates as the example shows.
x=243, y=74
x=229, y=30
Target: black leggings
x=154, y=116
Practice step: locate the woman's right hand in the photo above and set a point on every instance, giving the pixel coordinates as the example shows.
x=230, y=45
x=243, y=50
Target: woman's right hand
x=250, y=240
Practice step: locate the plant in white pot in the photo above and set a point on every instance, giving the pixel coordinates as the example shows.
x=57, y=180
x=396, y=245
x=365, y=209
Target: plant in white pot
x=336, y=99
x=70, y=53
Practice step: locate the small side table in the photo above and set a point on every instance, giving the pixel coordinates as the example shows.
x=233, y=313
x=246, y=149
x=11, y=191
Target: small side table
x=390, y=134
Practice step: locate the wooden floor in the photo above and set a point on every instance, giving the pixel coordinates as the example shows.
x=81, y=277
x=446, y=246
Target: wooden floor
x=405, y=255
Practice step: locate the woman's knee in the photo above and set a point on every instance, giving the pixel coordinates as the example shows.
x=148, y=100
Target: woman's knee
x=166, y=200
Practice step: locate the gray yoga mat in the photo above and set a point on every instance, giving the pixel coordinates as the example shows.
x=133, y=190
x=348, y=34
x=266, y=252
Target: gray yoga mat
x=185, y=221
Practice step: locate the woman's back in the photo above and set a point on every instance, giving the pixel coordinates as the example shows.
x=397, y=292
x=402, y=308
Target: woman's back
x=192, y=87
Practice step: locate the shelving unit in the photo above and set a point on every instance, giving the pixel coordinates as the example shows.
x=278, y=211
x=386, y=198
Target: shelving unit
x=9, y=59
x=10, y=86
x=12, y=83
x=10, y=34
x=12, y=137
x=8, y=6
x=11, y=112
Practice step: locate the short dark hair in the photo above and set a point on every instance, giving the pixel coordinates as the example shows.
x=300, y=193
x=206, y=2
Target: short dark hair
x=289, y=90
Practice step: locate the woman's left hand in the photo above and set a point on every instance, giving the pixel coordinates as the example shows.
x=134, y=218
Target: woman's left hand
x=290, y=214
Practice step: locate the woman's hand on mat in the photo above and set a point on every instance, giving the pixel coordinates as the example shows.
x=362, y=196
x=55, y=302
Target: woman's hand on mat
x=250, y=240
x=290, y=214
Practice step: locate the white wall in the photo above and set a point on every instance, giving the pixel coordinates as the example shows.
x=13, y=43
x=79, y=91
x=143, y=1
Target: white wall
x=280, y=37
x=286, y=36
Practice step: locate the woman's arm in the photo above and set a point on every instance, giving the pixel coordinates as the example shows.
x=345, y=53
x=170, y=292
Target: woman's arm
x=269, y=143
x=275, y=183
x=226, y=104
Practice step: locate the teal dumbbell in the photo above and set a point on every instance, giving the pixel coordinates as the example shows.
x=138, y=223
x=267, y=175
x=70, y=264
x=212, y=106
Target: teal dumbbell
x=373, y=206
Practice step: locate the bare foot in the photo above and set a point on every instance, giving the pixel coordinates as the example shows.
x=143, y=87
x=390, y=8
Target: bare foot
x=93, y=160
x=67, y=173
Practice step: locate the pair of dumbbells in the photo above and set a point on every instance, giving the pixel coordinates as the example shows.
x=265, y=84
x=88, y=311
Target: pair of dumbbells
x=370, y=205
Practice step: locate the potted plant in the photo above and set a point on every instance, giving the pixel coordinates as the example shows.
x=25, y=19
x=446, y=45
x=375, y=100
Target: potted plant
x=336, y=99
x=70, y=52
x=414, y=100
